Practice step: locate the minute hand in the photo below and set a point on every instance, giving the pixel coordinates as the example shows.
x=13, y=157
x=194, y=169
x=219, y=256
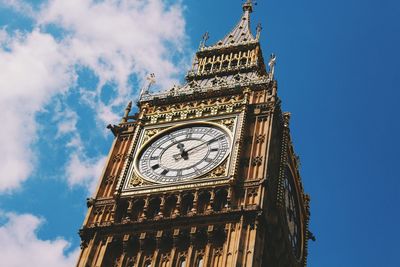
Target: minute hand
x=207, y=142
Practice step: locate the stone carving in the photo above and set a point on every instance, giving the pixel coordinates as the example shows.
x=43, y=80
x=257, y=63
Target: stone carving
x=260, y=138
x=256, y=161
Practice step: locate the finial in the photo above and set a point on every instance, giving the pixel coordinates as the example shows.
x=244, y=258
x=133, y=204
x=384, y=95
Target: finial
x=127, y=111
x=259, y=28
x=204, y=40
x=151, y=80
x=248, y=6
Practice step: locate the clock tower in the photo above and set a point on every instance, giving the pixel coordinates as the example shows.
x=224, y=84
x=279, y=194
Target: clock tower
x=204, y=174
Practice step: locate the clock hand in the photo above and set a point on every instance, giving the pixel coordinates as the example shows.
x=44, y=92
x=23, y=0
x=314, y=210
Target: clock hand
x=176, y=156
x=183, y=153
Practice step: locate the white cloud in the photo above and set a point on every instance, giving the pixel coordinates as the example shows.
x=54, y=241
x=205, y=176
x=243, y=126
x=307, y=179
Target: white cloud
x=22, y=247
x=33, y=68
x=113, y=38
x=83, y=171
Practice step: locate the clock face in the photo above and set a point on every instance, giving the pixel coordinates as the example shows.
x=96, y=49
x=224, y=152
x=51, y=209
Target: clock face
x=184, y=153
x=292, y=212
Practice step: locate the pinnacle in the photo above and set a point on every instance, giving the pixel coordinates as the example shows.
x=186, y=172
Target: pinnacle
x=248, y=6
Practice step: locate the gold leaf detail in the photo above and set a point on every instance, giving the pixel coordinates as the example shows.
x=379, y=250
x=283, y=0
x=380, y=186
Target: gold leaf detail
x=135, y=181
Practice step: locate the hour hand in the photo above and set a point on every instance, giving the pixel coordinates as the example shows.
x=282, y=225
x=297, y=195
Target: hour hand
x=183, y=153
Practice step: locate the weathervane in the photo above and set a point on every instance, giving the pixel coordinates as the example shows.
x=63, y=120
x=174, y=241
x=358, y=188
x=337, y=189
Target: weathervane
x=204, y=40
x=151, y=79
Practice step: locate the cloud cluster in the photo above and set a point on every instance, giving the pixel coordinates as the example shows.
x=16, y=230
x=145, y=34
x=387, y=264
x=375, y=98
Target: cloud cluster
x=33, y=68
x=22, y=247
x=114, y=39
x=84, y=171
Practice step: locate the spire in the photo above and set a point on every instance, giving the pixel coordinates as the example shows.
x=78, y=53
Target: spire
x=241, y=33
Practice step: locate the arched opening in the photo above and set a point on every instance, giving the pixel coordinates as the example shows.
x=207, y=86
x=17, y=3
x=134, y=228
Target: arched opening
x=243, y=61
x=204, y=200
x=182, y=262
x=207, y=67
x=199, y=262
x=217, y=65
x=137, y=209
x=220, y=199
x=187, y=204
x=169, y=206
x=234, y=63
x=154, y=208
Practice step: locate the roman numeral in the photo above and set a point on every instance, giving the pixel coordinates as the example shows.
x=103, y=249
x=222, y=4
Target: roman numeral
x=164, y=172
x=154, y=167
x=214, y=149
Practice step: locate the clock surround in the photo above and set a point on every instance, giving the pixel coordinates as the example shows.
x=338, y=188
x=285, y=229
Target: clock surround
x=183, y=152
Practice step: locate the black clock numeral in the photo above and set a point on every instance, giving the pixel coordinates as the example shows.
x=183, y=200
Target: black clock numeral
x=213, y=149
x=179, y=173
x=155, y=167
x=164, y=172
x=154, y=158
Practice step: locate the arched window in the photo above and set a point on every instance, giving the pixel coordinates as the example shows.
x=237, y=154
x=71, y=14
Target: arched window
x=187, y=204
x=154, y=208
x=220, y=200
x=182, y=262
x=169, y=206
x=203, y=201
x=234, y=63
x=137, y=209
x=199, y=262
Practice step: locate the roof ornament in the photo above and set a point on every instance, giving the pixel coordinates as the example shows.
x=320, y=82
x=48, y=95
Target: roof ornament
x=151, y=79
x=248, y=6
x=127, y=111
x=204, y=40
x=271, y=64
x=259, y=28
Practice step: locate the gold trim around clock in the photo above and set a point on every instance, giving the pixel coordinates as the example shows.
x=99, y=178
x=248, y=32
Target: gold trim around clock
x=172, y=128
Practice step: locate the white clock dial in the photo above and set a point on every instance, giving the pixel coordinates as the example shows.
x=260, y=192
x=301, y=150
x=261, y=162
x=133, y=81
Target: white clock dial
x=292, y=213
x=184, y=153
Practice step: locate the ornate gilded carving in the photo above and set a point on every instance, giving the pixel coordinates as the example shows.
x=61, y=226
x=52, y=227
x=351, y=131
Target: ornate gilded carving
x=218, y=171
x=150, y=133
x=135, y=181
x=228, y=123
x=211, y=107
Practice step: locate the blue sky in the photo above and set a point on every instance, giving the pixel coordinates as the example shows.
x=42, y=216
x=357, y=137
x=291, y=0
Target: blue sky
x=68, y=68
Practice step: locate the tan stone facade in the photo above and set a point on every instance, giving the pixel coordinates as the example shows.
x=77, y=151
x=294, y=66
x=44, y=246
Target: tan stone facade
x=250, y=210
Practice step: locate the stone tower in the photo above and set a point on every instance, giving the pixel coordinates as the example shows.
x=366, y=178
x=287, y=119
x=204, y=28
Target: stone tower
x=205, y=173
